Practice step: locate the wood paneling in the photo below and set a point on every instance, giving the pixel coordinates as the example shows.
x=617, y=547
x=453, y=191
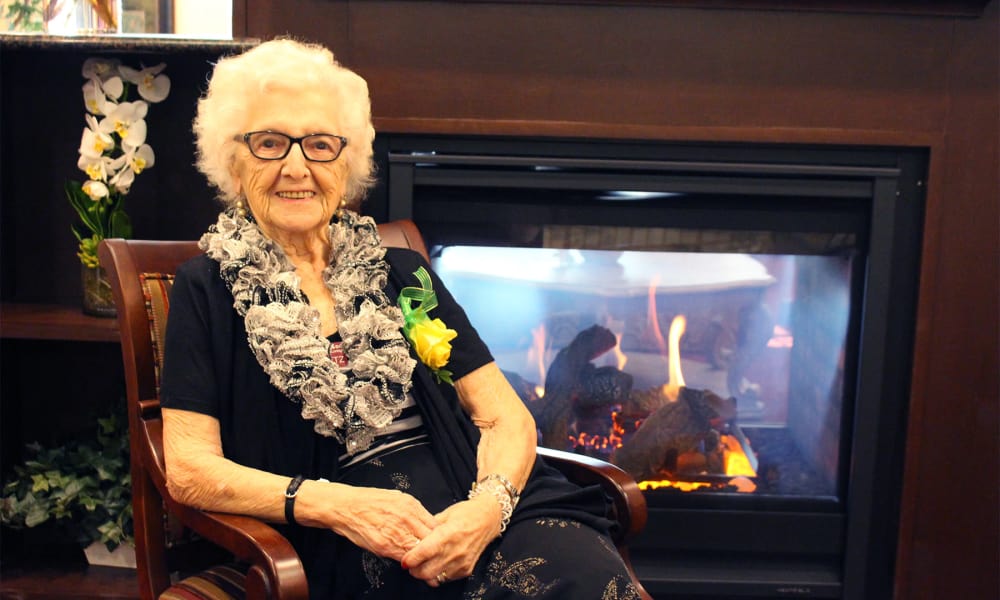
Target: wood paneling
x=650, y=66
x=948, y=542
x=649, y=70
x=905, y=7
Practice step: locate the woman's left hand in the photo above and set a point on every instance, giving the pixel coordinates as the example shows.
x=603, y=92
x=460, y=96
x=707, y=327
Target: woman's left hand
x=452, y=549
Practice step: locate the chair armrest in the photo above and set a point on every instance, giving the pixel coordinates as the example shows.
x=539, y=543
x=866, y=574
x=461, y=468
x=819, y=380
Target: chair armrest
x=627, y=499
x=628, y=503
x=275, y=569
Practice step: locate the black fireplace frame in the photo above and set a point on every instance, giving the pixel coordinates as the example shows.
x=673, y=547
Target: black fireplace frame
x=699, y=546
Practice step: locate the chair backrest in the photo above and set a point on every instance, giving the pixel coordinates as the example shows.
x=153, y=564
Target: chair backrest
x=141, y=273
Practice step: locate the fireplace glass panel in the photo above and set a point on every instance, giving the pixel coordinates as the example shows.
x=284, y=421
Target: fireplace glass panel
x=795, y=269
x=708, y=372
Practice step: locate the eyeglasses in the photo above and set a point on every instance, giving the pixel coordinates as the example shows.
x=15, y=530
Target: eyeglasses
x=274, y=145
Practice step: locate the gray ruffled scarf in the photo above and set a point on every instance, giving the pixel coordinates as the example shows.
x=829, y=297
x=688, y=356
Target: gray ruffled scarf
x=283, y=330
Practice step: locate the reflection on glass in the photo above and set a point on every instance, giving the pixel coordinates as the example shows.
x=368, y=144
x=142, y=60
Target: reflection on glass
x=716, y=372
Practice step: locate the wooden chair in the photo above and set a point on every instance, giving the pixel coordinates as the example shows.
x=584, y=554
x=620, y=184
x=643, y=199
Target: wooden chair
x=141, y=273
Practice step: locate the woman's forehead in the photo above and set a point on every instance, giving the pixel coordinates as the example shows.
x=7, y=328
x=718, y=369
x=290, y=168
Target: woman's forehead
x=294, y=113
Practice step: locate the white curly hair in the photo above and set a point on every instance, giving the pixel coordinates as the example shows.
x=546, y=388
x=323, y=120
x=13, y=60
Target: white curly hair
x=283, y=64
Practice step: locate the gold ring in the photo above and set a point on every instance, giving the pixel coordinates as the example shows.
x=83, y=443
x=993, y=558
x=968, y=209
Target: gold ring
x=442, y=577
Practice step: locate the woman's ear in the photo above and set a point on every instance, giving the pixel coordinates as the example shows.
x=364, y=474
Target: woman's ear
x=234, y=175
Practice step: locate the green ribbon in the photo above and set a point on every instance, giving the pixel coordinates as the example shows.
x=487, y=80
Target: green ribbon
x=413, y=316
x=424, y=295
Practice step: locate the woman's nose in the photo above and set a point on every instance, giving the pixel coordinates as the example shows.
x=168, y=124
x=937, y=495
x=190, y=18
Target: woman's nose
x=295, y=163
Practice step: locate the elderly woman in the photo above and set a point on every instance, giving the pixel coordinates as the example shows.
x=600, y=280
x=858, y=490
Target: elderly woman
x=289, y=387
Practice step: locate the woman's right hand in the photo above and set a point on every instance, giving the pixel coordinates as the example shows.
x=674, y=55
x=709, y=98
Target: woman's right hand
x=388, y=523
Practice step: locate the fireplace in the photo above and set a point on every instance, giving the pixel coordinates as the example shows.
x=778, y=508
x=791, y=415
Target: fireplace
x=731, y=324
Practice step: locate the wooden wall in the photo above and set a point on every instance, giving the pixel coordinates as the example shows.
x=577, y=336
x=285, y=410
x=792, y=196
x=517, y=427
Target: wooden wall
x=656, y=71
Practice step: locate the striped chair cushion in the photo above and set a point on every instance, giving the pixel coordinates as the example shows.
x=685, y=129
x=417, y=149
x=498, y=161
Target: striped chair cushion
x=156, y=289
x=222, y=581
x=218, y=583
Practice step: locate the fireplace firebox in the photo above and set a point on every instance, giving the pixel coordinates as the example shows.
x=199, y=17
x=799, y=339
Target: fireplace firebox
x=731, y=324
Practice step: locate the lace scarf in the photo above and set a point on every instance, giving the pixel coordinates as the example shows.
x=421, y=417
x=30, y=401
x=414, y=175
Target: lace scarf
x=283, y=330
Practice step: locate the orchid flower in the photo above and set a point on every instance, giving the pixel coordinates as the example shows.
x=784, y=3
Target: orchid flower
x=113, y=88
x=113, y=148
x=96, y=167
x=152, y=86
x=123, y=180
x=103, y=85
x=100, y=68
x=130, y=164
x=100, y=97
x=94, y=98
x=96, y=139
x=129, y=124
x=95, y=190
x=139, y=159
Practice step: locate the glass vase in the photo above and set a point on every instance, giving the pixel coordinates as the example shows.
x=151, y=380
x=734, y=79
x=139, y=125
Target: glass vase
x=97, y=298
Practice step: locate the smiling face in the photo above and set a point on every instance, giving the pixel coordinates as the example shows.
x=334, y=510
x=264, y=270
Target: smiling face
x=292, y=199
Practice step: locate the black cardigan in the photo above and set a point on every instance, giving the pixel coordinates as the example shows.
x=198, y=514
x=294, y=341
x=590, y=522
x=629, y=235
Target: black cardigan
x=209, y=368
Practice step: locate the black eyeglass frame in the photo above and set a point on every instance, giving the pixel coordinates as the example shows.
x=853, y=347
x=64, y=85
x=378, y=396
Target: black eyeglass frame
x=291, y=142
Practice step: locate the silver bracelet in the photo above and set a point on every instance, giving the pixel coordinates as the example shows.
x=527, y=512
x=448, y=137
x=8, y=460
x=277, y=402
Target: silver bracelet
x=503, y=491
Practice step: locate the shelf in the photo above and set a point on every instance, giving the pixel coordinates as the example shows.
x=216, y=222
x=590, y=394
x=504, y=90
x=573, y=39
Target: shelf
x=40, y=564
x=121, y=43
x=54, y=322
x=68, y=583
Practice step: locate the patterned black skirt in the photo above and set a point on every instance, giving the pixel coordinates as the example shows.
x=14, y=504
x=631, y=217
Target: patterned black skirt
x=542, y=558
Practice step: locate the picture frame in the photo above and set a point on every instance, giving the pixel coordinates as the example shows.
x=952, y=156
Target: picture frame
x=147, y=17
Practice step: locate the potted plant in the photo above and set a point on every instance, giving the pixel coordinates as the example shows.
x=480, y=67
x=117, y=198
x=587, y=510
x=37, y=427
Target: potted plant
x=83, y=487
x=113, y=152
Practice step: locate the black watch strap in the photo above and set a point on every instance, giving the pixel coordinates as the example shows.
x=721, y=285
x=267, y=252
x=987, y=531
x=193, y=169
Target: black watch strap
x=290, y=493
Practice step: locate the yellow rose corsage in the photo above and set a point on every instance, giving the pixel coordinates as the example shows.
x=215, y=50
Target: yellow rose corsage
x=431, y=338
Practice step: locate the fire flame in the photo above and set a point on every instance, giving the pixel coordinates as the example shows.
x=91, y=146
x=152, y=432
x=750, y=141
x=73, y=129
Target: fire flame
x=736, y=464
x=537, y=353
x=675, y=378
x=619, y=355
x=654, y=322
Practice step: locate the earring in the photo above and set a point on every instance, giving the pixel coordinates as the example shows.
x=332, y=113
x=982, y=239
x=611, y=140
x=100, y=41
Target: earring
x=241, y=209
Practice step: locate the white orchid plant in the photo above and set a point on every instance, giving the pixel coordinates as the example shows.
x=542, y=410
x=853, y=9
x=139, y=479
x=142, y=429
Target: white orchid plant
x=113, y=149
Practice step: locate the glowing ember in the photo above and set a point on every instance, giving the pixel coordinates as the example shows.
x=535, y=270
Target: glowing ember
x=596, y=444
x=684, y=486
x=738, y=471
x=736, y=460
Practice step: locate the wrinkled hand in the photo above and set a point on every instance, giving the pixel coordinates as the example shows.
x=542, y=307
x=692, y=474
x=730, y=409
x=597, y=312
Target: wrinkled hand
x=386, y=522
x=454, y=546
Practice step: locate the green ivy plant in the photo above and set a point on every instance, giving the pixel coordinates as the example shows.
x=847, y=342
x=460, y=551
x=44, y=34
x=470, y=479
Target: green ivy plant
x=83, y=486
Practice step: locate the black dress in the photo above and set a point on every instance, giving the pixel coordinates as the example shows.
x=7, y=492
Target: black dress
x=556, y=545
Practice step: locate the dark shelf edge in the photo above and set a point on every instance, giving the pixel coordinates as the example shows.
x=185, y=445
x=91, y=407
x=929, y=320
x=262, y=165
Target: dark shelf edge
x=54, y=322
x=67, y=582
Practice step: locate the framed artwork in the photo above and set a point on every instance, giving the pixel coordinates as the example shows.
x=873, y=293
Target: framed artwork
x=147, y=16
x=22, y=16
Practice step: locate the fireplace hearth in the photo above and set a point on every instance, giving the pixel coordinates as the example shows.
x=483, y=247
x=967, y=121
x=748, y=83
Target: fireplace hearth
x=731, y=324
